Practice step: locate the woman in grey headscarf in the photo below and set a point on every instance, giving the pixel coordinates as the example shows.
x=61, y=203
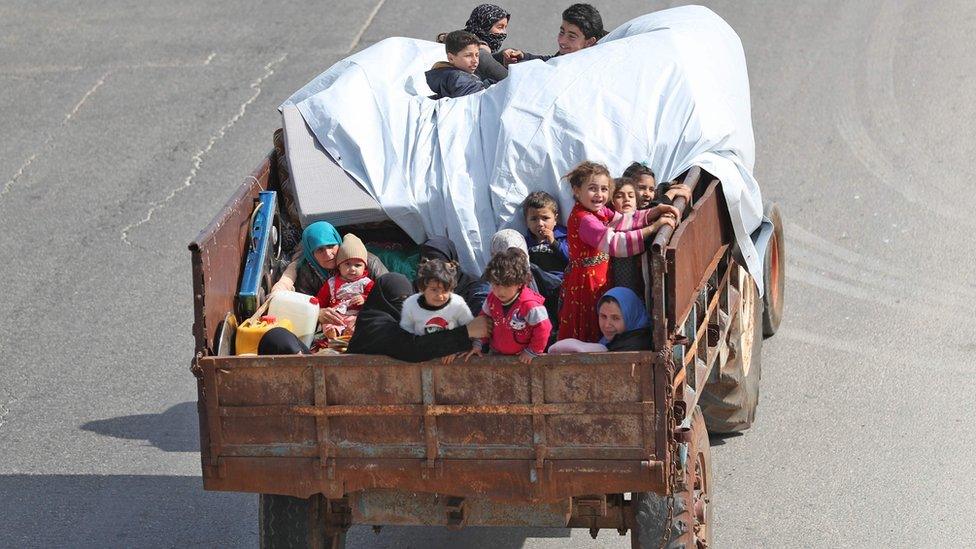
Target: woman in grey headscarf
x=509, y=238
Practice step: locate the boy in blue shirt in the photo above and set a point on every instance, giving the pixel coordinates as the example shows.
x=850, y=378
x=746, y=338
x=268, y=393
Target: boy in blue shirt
x=456, y=77
x=546, y=239
x=548, y=250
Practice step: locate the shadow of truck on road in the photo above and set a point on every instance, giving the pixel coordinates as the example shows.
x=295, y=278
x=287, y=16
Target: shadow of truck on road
x=174, y=430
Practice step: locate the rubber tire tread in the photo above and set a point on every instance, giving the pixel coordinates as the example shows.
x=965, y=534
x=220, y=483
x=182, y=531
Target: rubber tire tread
x=773, y=316
x=283, y=523
x=652, y=509
x=729, y=402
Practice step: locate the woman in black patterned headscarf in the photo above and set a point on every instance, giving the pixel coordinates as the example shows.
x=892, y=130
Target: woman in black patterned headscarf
x=489, y=22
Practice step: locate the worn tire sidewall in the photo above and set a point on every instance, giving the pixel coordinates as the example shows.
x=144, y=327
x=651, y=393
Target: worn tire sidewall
x=734, y=387
x=652, y=509
x=773, y=312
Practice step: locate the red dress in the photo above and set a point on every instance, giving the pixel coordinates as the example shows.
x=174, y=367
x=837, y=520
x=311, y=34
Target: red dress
x=587, y=278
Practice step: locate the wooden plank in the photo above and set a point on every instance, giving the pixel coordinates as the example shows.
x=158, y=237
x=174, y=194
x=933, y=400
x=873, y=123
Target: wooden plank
x=537, y=394
x=430, y=420
x=693, y=251
x=445, y=452
x=434, y=410
x=325, y=444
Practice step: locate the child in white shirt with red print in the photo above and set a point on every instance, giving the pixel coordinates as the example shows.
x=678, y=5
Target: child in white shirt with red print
x=436, y=307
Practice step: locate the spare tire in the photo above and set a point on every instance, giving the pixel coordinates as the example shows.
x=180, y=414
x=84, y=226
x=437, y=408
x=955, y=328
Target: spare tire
x=774, y=273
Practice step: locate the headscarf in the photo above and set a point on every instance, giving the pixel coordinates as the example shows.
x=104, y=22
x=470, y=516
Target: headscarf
x=388, y=294
x=316, y=235
x=279, y=341
x=631, y=307
x=439, y=247
x=484, y=17
x=508, y=238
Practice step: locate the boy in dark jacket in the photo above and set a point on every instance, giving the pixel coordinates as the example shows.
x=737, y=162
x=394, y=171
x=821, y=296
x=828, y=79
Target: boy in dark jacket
x=546, y=239
x=548, y=249
x=456, y=78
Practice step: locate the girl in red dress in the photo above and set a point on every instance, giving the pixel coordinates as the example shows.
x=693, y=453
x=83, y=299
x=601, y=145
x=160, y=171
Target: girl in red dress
x=595, y=232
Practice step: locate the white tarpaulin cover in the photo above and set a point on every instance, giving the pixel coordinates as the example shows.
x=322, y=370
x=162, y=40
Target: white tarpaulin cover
x=669, y=88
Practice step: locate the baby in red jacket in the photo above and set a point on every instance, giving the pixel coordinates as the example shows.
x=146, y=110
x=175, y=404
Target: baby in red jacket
x=520, y=324
x=347, y=290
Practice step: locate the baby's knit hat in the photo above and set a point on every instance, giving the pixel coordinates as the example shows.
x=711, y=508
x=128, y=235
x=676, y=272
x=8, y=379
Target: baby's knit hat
x=352, y=248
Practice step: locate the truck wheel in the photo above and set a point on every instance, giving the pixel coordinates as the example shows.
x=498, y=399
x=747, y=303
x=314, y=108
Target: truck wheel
x=691, y=515
x=285, y=522
x=774, y=273
x=729, y=399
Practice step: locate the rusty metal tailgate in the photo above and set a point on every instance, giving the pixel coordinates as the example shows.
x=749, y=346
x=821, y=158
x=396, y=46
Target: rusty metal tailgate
x=564, y=425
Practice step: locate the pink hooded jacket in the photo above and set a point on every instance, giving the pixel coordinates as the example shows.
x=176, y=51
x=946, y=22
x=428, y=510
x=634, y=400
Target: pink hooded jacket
x=526, y=327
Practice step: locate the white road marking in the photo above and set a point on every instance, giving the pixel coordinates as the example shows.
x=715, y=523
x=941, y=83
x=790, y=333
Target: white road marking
x=362, y=30
x=50, y=137
x=197, y=159
x=17, y=70
x=804, y=243
x=71, y=114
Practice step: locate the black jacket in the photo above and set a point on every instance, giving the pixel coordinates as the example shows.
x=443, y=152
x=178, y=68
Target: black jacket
x=634, y=340
x=446, y=80
x=491, y=67
x=526, y=56
x=378, y=330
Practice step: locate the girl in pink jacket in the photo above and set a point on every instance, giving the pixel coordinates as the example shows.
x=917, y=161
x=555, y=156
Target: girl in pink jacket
x=520, y=324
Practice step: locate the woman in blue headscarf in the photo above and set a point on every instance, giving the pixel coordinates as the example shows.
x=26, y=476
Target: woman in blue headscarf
x=624, y=321
x=315, y=262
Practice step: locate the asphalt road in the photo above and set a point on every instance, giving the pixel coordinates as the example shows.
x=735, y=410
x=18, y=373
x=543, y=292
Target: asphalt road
x=126, y=125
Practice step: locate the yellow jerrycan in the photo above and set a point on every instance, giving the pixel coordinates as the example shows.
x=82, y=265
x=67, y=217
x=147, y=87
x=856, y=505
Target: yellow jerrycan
x=250, y=331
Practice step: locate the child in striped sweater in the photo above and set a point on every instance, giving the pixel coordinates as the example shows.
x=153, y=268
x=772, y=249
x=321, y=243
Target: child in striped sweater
x=595, y=232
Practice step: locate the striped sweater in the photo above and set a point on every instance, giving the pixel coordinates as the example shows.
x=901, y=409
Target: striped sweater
x=620, y=237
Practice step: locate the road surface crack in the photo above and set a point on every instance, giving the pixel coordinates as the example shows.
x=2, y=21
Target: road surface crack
x=196, y=161
x=50, y=137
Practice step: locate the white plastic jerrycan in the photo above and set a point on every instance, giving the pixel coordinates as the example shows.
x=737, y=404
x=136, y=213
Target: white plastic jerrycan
x=301, y=309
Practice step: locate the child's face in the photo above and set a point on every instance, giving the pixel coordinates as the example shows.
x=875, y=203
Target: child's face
x=435, y=294
x=625, y=199
x=466, y=59
x=326, y=256
x=645, y=190
x=593, y=194
x=611, y=320
x=541, y=221
x=352, y=269
x=506, y=293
